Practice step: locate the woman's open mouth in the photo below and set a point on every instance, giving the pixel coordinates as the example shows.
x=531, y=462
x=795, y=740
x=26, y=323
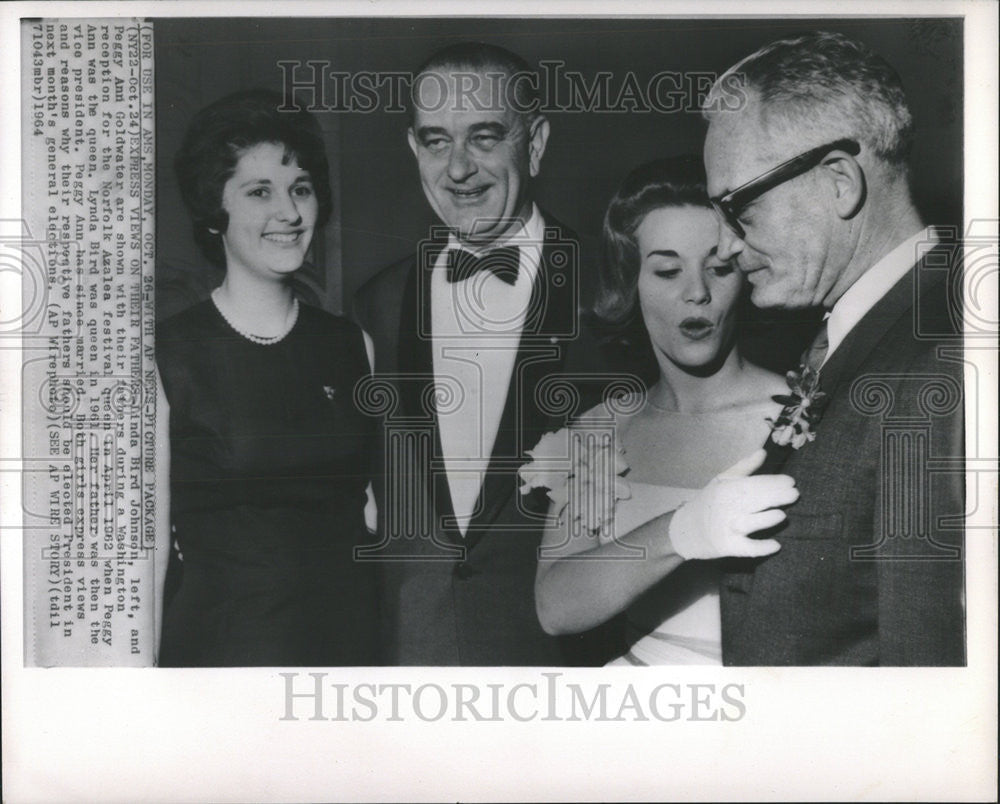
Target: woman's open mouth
x=697, y=328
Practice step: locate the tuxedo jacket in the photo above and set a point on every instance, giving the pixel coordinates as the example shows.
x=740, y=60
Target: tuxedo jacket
x=870, y=570
x=449, y=599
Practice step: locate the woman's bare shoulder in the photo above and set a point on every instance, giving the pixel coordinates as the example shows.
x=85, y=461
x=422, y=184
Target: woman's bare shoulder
x=617, y=408
x=760, y=384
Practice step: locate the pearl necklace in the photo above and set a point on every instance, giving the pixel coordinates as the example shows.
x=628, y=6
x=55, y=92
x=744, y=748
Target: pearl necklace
x=263, y=340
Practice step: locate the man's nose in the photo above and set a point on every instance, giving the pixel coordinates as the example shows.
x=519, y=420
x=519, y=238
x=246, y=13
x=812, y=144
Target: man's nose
x=460, y=165
x=729, y=242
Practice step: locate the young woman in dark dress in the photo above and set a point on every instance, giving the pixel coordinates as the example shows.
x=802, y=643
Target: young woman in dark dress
x=268, y=455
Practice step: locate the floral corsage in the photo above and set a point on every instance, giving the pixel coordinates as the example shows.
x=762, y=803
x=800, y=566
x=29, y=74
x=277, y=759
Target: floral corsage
x=582, y=469
x=796, y=423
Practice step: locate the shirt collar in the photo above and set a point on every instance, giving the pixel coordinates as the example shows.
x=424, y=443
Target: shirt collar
x=874, y=283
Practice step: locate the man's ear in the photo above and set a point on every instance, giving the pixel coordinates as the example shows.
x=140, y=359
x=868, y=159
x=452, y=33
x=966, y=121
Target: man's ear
x=412, y=139
x=538, y=133
x=848, y=181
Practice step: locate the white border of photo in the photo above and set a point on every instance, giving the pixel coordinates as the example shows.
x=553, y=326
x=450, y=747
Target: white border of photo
x=796, y=734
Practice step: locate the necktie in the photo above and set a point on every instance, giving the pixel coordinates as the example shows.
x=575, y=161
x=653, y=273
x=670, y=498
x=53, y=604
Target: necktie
x=814, y=356
x=501, y=262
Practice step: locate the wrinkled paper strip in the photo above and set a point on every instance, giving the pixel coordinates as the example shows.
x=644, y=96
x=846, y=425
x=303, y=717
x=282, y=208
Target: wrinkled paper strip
x=87, y=325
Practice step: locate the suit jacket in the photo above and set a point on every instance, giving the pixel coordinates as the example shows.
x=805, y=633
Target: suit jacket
x=449, y=599
x=870, y=571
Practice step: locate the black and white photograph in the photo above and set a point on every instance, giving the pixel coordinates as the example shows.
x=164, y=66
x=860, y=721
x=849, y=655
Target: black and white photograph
x=408, y=402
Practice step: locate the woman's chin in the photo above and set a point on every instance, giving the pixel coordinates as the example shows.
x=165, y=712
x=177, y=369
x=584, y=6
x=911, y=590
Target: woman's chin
x=700, y=362
x=701, y=369
x=286, y=267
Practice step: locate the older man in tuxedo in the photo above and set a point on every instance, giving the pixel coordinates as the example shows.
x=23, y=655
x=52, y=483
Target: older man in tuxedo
x=810, y=181
x=477, y=348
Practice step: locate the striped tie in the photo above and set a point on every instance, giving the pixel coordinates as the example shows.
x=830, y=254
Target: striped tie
x=814, y=356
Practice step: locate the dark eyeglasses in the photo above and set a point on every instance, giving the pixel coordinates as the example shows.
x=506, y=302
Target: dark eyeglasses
x=730, y=205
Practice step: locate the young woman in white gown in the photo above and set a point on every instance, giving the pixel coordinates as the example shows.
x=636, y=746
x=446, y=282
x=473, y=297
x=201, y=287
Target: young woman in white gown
x=706, y=411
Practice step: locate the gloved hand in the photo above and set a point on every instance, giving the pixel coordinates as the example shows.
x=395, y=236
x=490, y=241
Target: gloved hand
x=717, y=521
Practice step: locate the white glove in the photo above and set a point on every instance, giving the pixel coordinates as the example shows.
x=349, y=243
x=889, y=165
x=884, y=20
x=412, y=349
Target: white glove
x=715, y=523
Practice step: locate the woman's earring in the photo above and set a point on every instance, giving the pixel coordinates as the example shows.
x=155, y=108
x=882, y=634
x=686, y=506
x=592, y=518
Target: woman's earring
x=213, y=231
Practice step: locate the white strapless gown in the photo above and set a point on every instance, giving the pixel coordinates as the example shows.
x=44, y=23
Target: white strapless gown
x=671, y=456
x=677, y=621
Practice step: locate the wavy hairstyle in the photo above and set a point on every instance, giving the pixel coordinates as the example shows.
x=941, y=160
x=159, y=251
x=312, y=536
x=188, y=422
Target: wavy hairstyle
x=677, y=181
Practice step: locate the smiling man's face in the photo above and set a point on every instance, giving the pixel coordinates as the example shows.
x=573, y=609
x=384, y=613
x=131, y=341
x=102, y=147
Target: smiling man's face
x=475, y=155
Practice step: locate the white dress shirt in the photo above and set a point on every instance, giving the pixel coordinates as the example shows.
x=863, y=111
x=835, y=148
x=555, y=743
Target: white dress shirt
x=873, y=284
x=476, y=327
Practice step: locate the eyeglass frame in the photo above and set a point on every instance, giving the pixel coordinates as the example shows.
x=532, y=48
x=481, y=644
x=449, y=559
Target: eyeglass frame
x=729, y=205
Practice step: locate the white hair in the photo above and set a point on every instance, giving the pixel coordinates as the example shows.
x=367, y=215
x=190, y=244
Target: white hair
x=825, y=83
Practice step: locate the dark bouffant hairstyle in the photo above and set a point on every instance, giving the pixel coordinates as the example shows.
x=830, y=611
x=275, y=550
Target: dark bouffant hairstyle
x=219, y=134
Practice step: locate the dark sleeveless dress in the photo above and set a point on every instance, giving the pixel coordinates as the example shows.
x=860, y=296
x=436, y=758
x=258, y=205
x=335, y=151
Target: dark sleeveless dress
x=269, y=463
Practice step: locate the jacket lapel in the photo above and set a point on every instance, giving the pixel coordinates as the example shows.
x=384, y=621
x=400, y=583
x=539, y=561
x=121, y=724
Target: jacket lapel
x=416, y=366
x=541, y=352
x=415, y=356
x=842, y=366
x=866, y=335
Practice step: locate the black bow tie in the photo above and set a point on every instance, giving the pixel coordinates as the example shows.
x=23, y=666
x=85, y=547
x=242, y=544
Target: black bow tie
x=501, y=262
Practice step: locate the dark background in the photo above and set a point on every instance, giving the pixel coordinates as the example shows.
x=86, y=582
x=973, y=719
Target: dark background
x=380, y=210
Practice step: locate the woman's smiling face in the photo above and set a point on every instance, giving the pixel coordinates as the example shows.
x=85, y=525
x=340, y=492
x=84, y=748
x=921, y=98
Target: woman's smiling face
x=687, y=295
x=272, y=211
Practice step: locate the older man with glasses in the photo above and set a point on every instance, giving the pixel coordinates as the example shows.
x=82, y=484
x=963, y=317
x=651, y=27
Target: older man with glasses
x=811, y=185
